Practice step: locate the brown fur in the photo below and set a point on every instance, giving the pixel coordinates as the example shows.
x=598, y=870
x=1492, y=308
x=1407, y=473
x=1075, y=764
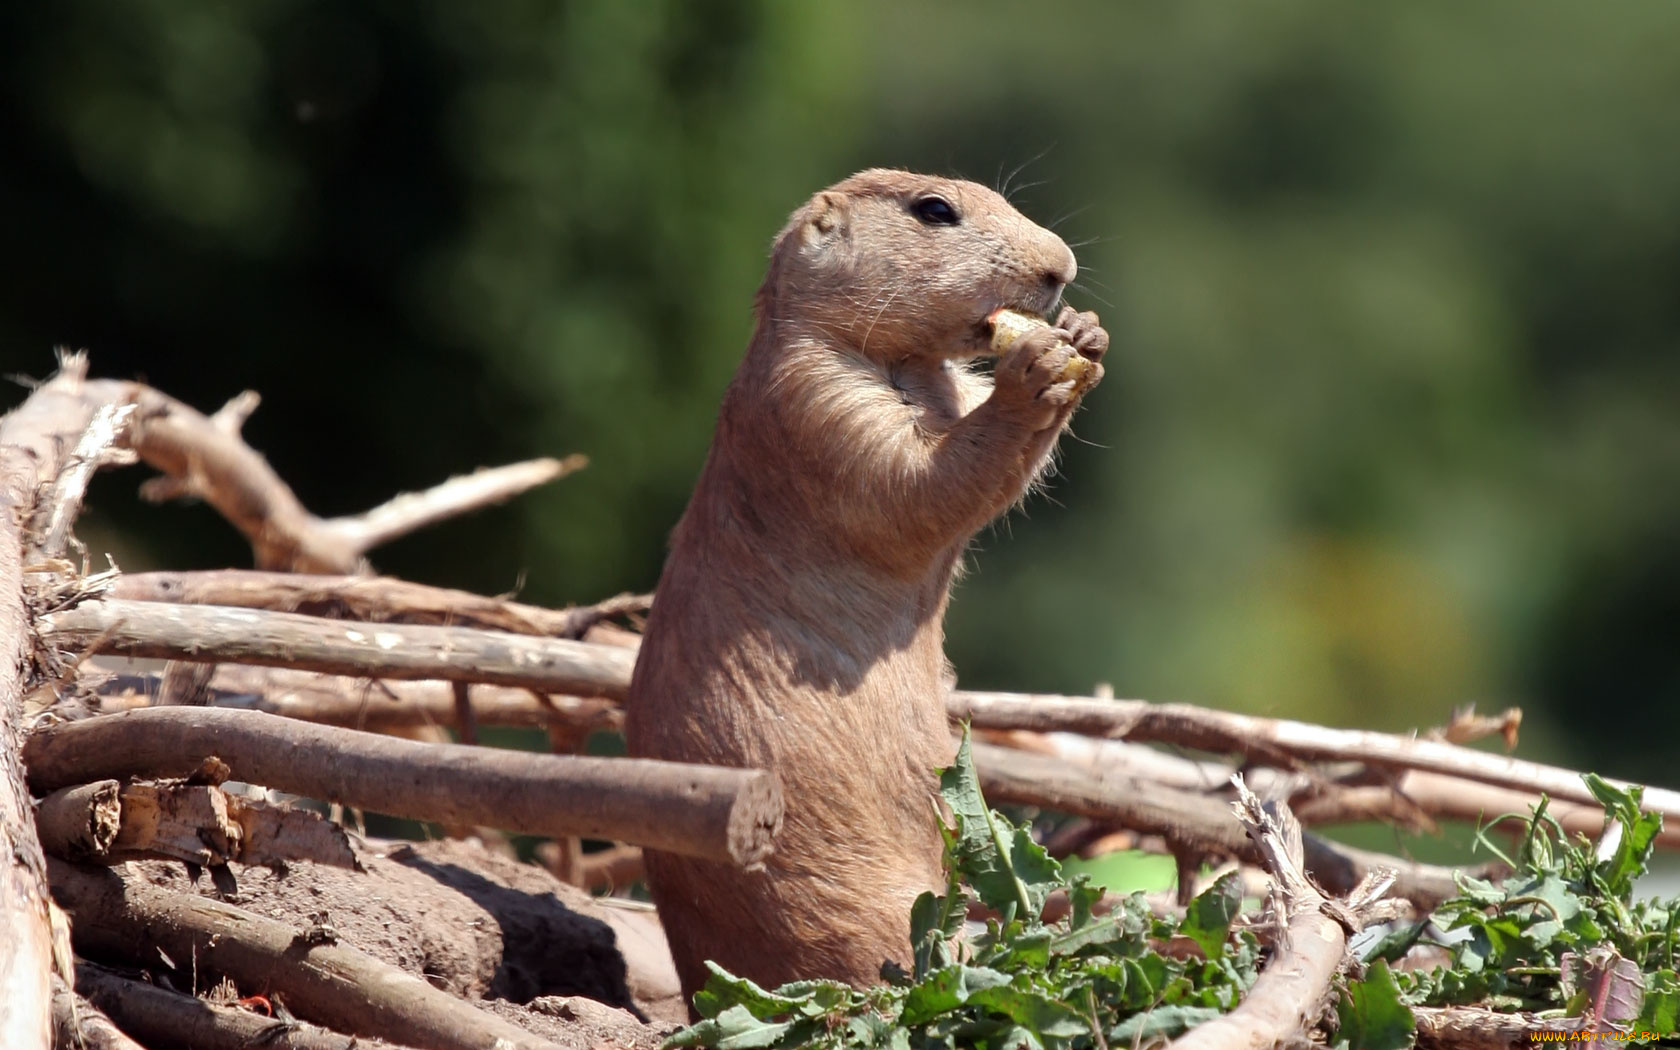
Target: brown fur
x=799, y=622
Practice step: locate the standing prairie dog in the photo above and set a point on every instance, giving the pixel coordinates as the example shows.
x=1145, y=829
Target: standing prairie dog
x=798, y=625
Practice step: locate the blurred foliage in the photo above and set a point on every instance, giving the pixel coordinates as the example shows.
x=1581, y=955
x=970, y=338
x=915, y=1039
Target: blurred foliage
x=1391, y=423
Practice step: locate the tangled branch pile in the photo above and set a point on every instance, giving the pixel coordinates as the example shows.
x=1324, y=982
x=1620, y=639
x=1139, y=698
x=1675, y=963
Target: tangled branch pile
x=156, y=727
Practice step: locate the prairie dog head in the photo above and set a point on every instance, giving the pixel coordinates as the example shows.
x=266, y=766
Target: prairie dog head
x=891, y=264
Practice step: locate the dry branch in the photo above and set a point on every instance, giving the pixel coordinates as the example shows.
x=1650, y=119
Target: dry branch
x=1276, y=741
x=1470, y=1028
x=322, y=981
x=1198, y=822
x=376, y=598
x=361, y=703
x=80, y=822
x=204, y=456
x=95, y=447
x=728, y=815
x=106, y=822
x=464, y=654
x=1288, y=996
x=1396, y=798
x=79, y=1025
x=160, y=1017
x=411, y=511
x=219, y=634
x=35, y=438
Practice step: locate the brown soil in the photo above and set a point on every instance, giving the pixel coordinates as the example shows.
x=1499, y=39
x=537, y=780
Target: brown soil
x=572, y=968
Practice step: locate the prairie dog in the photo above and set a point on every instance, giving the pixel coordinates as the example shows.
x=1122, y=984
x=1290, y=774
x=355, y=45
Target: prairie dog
x=798, y=626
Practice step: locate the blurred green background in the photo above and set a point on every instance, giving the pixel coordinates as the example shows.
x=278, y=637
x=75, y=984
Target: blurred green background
x=1392, y=422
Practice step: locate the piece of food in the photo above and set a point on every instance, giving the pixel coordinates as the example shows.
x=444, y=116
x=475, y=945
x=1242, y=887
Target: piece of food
x=1010, y=325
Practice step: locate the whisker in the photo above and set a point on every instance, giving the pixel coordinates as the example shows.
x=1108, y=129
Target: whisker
x=1071, y=214
x=1003, y=191
x=1083, y=290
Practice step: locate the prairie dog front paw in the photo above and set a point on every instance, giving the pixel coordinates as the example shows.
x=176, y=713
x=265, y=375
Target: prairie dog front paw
x=1044, y=370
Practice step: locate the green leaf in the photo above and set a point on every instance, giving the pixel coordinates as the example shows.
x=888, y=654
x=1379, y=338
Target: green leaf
x=946, y=989
x=934, y=922
x=1662, y=1004
x=1629, y=836
x=1372, y=1014
x=733, y=1029
x=724, y=990
x=1010, y=872
x=1167, y=1022
x=1207, y=920
x=1033, y=1011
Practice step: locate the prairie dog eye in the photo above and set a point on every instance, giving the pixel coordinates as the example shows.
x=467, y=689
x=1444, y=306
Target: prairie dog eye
x=935, y=211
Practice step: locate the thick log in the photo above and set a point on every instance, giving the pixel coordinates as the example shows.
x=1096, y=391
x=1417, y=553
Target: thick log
x=728, y=815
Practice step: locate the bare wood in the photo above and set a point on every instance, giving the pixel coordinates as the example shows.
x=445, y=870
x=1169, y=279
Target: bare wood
x=381, y=598
x=205, y=457
x=1196, y=821
x=411, y=511
x=1471, y=1028
x=1402, y=797
x=728, y=815
x=107, y=425
x=161, y=1017
x=34, y=438
x=80, y=822
x=324, y=982
x=79, y=1025
x=361, y=703
x=220, y=634
x=1290, y=992
x=1277, y=740
x=461, y=654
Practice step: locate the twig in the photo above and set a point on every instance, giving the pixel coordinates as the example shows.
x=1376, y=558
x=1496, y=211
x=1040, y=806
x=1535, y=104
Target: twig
x=1277, y=740
x=377, y=598
x=103, y=431
x=1289, y=994
x=1195, y=821
x=79, y=1025
x=328, y=983
x=361, y=703
x=728, y=815
x=487, y=487
x=220, y=634
x=162, y=1017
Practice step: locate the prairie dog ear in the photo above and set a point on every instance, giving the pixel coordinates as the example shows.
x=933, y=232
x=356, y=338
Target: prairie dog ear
x=825, y=218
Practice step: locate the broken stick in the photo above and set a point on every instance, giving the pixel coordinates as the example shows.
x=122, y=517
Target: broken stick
x=727, y=815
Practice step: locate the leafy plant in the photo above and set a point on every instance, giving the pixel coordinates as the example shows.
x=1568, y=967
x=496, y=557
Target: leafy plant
x=1089, y=980
x=1562, y=936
